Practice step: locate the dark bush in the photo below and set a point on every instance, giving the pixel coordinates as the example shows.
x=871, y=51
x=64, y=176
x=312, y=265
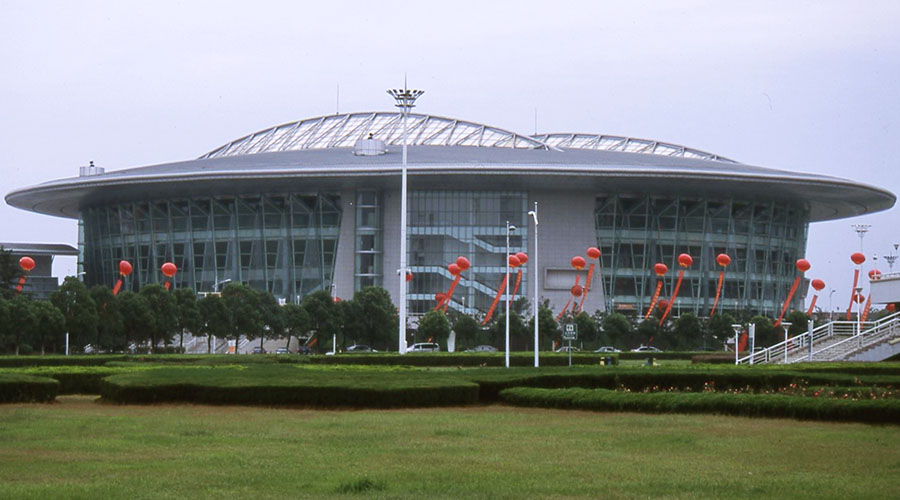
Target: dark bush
x=20, y=388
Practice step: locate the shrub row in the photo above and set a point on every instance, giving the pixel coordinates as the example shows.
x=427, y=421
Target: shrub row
x=458, y=359
x=275, y=385
x=58, y=360
x=21, y=388
x=749, y=405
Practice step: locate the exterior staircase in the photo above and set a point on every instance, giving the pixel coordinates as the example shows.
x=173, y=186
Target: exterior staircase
x=836, y=341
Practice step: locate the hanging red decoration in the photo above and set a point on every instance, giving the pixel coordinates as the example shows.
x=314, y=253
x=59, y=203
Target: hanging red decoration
x=859, y=298
x=685, y=261
x=513, y=261
x=874, y=274
x=523, y=258
x=124, y=270
x=500, y=291
x=593, y=253
x=439, y=297
x=578, y=262
x=723, y=260
x=891, y=307
x=409, y=276
x=802, y=265
x=27, y=264
x=462, y=263
x=660, y=269
x=577, y=290
x=455, y=269
x=571, y=297
x=818, y=285
x=857, y=258
x=866, y=308
x=168, y=269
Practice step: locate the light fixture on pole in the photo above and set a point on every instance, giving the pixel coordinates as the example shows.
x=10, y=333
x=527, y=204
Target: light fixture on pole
x=861, y=230
x=891, y=258
x=406, y=100
x=509, y=228
x=534, y=215
x=786, y=325
x=857, y=296
x=830, y=308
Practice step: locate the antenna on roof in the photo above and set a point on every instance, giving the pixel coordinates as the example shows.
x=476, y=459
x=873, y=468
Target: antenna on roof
x=535, y=120
x=337, y=105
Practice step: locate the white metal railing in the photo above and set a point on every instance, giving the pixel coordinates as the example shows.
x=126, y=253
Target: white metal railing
x=824, y=338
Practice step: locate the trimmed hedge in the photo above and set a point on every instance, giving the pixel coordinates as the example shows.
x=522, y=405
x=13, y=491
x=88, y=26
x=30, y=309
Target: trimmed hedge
x=748, y=405
x=471, y=360
x=21, y=388
x=58, y=360
x=278, y=385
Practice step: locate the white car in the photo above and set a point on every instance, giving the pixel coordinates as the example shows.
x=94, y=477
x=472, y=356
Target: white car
x=646, y=348
x=566, y=348
x=424, y=347
x=607, y=348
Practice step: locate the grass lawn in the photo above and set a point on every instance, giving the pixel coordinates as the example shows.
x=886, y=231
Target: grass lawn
x=79, y=449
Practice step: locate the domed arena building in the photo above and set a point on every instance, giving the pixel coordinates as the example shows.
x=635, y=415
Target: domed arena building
x=315, y=204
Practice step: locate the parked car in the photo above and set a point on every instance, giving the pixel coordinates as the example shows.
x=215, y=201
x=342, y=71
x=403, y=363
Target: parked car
x=607, y=348
x=258, y=350
x=566, y=348
x=482, y=348
x=282, y=350
x=646, y=348
x=424, y=347
x=358, y=348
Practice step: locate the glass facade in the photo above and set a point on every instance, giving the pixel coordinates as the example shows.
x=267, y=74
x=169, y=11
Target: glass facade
x=443, y=225
x=285, y=244
x=763, y=239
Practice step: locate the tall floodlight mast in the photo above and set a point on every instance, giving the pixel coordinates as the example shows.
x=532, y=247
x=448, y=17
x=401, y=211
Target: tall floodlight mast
x=861, y=230
x=406, y=100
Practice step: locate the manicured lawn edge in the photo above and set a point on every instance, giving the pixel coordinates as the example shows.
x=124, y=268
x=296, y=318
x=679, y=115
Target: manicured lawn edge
x=748, y=405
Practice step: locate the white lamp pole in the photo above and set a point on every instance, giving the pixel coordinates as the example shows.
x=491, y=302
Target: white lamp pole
x=786, y=325
x=737, y=332
x=406, y=100
x=509, y=228
x=534, y=215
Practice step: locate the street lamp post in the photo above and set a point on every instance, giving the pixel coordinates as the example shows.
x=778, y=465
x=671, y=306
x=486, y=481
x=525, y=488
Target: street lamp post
x=737, y=333
x=786, y=325
x=534, y=215
x=891, y=258
x=406, y=100
x=858, y=298
x=830, y=303
x=509, y=228
x=861, y=230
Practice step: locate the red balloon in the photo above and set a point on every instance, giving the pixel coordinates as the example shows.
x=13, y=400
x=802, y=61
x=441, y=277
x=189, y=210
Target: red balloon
x=685, y=260
x=818, y=284
x=803, y=265
x=169, y=269
x=26, y=263
x=891, y=307
x=578, y=262
x=660, y=269
x=463, y=263
x=593, y=252
x=576, y=290
x=454, y=269
x=408, y=276
x=124, y=267
x=337, y=299
x=860, y=298
x=857, y=258
x=523, y=258
x=723, y=259
x=514, y=261
x=874, y=274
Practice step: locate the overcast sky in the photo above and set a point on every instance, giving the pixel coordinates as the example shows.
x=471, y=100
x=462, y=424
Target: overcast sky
x=802, y=86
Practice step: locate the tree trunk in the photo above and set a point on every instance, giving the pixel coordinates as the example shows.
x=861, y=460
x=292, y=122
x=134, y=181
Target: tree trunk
x=209, y=344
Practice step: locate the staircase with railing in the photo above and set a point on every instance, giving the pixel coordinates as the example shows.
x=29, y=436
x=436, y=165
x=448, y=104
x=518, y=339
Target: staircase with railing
x=834, y=341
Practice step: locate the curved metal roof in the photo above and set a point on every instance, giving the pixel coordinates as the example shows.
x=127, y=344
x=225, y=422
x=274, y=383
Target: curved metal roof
x=341, y=131
x=624, y=144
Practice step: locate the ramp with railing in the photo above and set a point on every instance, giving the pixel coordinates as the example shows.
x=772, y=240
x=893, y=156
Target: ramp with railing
x=834, y=341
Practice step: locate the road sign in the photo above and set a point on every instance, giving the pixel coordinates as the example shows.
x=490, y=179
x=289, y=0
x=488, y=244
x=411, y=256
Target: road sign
x=570, y=331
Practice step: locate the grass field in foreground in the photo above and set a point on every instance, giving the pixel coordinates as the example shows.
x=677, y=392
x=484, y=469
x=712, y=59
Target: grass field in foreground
x=80, y=449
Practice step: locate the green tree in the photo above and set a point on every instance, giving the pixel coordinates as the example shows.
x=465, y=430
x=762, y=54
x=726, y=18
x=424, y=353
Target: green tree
x=798, y=321
x=5, y=322
x=617, y=327
x=49, y=325
x=548, y=329
x=688, y=333
x=244, y=312
x=435, y=326
x=324, y=315
x=164, y=312
x=74, y=301
x=137, y=320
x=187, y=315
x=296, y=322
x=22, y=316
x=468, y=331
x=765, y=331
x=588, y=331
x=719, y=330
x=272, y=317
x=518, y=332
x=109, y=320
x=374, y=317
x=10, y=272
x=214, y=319
x=646, y=331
